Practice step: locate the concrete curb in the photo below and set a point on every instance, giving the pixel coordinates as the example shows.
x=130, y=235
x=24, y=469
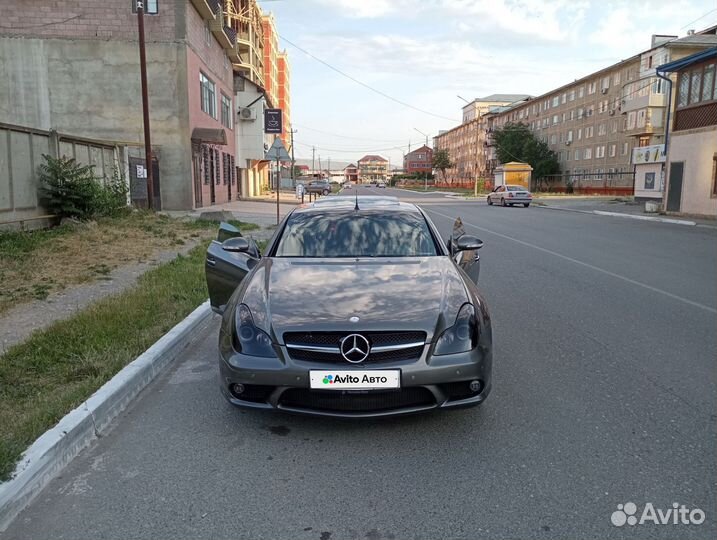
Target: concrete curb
x=646, y=218
x=55, y=448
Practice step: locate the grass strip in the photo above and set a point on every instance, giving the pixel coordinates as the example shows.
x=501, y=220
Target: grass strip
x=55, y=370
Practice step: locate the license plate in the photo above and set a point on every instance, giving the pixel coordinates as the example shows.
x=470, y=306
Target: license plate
x=354, y=380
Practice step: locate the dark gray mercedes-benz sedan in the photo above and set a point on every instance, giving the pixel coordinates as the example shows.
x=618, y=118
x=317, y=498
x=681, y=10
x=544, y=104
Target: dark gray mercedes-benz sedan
x=357, y=308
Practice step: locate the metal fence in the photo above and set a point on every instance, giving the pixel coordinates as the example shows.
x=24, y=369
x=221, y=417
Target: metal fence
x=21, y=151
x=596, y=183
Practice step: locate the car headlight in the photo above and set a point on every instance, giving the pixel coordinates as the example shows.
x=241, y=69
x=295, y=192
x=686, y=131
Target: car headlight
x=462, y=336
x=248, y=339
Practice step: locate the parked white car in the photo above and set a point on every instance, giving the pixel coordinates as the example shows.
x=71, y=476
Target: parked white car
x=510, y=195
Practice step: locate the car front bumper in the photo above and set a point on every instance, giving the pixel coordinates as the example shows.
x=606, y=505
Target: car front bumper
x=440, y=382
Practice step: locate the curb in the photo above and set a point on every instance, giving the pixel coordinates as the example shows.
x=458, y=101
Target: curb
x=55, y=448
x=646, y=218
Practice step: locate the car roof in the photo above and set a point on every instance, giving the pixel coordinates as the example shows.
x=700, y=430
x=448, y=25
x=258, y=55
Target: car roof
x=365, y=202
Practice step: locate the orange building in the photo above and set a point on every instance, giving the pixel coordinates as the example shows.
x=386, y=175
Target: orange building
x=276, y=74
x=284, y=94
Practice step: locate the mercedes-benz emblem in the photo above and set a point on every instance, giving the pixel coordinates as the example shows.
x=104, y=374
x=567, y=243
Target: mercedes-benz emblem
x=355, y=348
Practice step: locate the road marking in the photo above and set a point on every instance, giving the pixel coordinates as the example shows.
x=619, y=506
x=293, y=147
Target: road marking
x=587, y=265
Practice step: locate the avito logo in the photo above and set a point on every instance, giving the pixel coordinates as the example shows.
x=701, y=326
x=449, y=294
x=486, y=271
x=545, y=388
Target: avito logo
x=679, y=514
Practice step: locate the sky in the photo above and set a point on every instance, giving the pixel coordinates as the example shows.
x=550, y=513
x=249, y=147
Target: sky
x=426, y=53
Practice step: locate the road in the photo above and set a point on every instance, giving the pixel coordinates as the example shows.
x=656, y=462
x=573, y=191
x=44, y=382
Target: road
x=603, y=393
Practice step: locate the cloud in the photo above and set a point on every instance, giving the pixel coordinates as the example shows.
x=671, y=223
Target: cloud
x=361, y=8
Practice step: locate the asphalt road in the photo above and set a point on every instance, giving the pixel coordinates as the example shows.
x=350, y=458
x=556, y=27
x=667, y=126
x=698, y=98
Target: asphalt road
x=603, y=394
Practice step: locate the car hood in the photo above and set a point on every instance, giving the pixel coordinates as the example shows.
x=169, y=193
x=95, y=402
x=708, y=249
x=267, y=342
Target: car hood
x=418, y=294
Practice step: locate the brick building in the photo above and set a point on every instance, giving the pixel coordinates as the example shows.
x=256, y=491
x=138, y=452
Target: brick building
x=372, y=168
x=419, y=162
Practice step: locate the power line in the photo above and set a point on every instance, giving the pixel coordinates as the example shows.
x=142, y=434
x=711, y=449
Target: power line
x=352, y=150
x=15, y=27
x=357, y=81
x=348, y=136
x=698, y=18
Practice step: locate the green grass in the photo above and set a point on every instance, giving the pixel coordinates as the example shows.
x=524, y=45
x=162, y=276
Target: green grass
x=55, y=370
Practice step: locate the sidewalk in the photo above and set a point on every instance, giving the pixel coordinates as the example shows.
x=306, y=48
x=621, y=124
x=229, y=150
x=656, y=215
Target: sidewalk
x=618, y=207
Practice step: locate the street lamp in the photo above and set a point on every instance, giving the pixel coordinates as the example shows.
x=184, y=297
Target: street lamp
x=464, y=99
x=425, y=185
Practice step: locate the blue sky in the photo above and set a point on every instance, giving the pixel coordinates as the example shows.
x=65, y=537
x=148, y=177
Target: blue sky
x=426, y=52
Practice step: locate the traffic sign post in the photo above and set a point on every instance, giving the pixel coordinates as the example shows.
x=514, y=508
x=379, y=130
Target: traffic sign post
x=277, y=152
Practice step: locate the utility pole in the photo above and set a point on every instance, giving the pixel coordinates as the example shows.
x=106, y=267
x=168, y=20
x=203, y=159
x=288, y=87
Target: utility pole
x=329, y=168
x=313, y=167
x=145, y=104
x=321, y=174
x=293, y=161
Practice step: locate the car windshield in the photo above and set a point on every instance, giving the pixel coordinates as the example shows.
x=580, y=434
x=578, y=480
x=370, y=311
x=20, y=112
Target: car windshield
x=356, y=234
x=516, y=188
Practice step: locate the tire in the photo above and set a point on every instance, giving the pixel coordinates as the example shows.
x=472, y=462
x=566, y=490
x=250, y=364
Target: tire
x=510, y=204
x=325, y=192
x=527, y=204
x=490, y=202
x=502, y=201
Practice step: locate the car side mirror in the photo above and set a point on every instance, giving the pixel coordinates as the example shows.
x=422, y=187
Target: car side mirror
x=236, y=245
x=468, y=242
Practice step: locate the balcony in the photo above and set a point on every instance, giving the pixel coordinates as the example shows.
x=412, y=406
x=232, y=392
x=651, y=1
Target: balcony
x=206, y=8
x=226, y=36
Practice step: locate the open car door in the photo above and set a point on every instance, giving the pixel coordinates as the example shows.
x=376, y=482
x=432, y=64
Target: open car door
x=229, y=259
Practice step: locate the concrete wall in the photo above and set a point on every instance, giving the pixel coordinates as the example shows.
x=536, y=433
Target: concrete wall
x=91, y=88
x=697, y=148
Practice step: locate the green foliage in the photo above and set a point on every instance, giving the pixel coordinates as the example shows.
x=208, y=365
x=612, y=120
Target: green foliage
x=515, y=142
x=70, y=189
x=442, y=161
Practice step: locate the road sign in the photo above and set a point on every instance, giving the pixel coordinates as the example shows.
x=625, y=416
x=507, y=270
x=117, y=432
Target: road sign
x=277, y=151
x=273, y=121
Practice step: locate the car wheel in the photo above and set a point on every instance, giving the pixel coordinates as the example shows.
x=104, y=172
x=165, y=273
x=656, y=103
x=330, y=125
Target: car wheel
x=490, y=203
x=526, y=204
x=502, y=201
x=325, y=192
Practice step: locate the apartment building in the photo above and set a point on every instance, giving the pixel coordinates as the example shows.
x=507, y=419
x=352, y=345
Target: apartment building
x=245, y=17
x=464, y=142
x=419, y=162
x=593, y=123
x=372, y=168
x=284, y=95
x=351, y=173
x=74, y=68
x=271, y=50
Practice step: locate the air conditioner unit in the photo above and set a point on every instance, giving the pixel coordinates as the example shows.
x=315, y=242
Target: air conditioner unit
x=247, y=114
x=567, y=143
x=604, y=90
x=588, y=112
x=612, y=112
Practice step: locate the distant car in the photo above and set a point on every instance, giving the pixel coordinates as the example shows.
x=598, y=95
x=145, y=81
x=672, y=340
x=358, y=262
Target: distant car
x=348, y=185
x=381, y=184
x=510, y=195
x=318, y=186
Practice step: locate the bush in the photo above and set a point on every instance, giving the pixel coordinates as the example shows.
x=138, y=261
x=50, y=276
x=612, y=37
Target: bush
x=69, y=189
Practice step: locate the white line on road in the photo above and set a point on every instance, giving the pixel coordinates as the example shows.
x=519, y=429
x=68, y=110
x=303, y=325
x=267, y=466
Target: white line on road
x=587, y=265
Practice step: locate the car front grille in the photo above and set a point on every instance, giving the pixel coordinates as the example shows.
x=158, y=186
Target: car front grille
x=352, y=401
x=332, y=340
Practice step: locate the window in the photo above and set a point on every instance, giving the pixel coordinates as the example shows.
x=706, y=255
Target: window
x=553, y=139
x=605, y=83
x=592, y=87
x=577, y=154
x=208, y=95
x=588, y=153
x=631, y=119
x=570, y=135
x=614, y=126
x=226, y=112
x=564, y=97
x=580, y=133
x=571, y=95
x=708, y=82
x=207, y=34
x=555, y=119
x=556, y=101
x=616, y=78
x=581, y=92
x=600, y=151
x=613, y=150
x=150, y=7
x=602, y=130
x=572, y=114
x=345, y=234
x=625, y=148
x=650, y=180
x=695, y=80
x=588, y=132
x=643, y=141
x=580, y=113
x=684, y=89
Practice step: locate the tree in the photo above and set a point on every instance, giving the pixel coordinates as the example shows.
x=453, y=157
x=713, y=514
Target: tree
x=515, y=142
x=442, y=161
